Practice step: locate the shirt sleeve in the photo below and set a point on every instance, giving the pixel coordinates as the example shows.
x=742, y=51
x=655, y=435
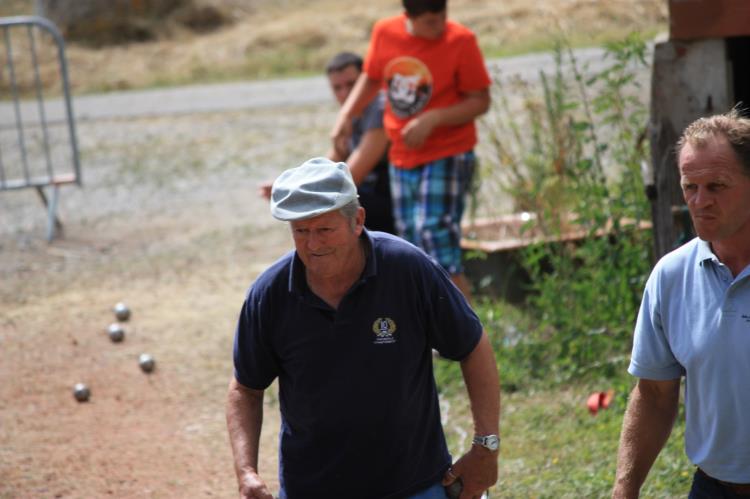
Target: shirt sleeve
x=472, y=70
x=652, y=356
x=452, y=326
x=255, y=365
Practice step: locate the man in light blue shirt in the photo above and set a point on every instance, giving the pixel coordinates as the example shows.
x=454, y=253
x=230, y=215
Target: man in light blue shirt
x=694, y=322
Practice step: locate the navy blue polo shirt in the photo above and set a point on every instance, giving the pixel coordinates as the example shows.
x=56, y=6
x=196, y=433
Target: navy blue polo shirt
x=358, y=401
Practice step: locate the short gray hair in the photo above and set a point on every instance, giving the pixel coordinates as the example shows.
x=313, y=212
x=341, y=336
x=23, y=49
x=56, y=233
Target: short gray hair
x=350, y=210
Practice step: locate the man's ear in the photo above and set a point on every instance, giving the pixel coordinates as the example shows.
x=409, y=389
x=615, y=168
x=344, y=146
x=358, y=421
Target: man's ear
x=360, y=220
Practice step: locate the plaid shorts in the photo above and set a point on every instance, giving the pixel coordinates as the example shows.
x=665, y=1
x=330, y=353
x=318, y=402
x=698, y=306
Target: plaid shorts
x=428, y=202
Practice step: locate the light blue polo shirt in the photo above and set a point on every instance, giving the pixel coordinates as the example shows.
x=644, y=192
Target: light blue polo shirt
x=694, y=321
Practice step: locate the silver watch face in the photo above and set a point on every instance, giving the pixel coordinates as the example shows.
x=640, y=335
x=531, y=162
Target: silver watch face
x=491, y=442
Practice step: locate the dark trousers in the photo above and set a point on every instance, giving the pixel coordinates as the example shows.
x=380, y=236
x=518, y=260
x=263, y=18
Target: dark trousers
x=705, y=487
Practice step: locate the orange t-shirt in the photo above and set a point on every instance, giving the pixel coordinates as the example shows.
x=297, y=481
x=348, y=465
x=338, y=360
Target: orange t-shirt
x=420, y=74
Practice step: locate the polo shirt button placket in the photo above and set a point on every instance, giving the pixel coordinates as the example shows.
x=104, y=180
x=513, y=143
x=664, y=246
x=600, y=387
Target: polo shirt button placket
x=728, y=309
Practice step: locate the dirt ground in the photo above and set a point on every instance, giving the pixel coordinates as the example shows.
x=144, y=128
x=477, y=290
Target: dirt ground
x=168, y=221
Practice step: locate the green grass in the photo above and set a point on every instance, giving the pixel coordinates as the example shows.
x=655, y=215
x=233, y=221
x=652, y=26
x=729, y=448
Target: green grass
x=552, y=446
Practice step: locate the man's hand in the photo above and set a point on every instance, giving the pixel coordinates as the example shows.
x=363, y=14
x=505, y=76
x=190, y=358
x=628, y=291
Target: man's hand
x=264, y=190
x=477, y=469
x=252, y=486
x=418, y=129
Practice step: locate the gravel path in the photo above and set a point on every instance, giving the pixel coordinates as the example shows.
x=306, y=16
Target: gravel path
x=249, y=95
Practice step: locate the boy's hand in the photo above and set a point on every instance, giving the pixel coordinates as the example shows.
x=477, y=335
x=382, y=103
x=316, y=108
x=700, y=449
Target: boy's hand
x=418, y=129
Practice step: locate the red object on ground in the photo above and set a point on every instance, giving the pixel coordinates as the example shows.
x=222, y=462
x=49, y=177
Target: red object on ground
x=599, y=400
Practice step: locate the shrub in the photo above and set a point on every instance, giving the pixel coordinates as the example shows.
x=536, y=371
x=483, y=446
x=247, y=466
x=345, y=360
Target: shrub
x=573, y=157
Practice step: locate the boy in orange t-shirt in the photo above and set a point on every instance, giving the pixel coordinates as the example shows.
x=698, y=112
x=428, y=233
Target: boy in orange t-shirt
x=436, y=84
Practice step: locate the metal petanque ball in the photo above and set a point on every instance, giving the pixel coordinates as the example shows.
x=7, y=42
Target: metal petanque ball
x=146, y=362
x=122, y=312
x=81, y=392
x=116, y=333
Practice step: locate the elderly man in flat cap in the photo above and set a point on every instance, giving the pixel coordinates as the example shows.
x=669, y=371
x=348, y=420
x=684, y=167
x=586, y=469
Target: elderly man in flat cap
x=347, y=322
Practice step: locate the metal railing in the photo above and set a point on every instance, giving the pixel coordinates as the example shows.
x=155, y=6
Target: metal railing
x=31, y=154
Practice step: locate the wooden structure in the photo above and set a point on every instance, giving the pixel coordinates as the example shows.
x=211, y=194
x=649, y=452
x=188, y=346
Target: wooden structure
x=701, y=70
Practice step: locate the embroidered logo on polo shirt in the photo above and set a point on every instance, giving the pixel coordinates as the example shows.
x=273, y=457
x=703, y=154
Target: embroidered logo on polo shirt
x=384, y=330
x=746, y=317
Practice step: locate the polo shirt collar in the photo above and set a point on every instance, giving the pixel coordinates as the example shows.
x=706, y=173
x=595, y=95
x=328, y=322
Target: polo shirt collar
x=370, y=262
x=705, y=254
x=298, y=283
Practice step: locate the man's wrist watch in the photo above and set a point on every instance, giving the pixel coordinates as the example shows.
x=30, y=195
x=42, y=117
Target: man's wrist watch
x=489, y=442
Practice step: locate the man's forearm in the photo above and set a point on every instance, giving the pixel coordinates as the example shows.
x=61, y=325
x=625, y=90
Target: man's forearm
x=478, y=468
x=483, y=386
x=244, y=412
x=646, y=427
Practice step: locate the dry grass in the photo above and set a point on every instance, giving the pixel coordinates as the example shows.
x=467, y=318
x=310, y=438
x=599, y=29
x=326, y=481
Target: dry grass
x=267, y=38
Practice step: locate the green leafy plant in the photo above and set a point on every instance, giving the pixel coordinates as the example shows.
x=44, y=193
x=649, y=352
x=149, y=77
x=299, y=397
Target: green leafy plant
x=573, y=158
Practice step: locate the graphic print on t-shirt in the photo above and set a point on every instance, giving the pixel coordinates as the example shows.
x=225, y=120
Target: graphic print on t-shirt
x=409, y=85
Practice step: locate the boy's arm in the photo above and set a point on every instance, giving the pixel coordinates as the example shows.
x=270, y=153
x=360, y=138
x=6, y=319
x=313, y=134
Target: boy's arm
x=368, y=153
x=363, y=92
x=472, y=104
x=366, y=156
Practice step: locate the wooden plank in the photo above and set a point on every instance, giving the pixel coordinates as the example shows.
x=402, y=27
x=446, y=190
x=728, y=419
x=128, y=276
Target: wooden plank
x=505, y=234
x=66, y=178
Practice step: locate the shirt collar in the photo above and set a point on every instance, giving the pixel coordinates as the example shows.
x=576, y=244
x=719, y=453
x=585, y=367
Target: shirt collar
x=705, y=253
x=371, y=268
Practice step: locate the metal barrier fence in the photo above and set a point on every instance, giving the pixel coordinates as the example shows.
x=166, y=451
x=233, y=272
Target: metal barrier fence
x=38, y=148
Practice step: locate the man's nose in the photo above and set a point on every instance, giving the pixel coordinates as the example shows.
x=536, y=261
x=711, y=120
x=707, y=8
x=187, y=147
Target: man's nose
x=314, y=241
x=702, y=197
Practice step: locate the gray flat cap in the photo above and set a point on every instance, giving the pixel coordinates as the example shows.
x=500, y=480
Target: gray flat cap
x=316, y=187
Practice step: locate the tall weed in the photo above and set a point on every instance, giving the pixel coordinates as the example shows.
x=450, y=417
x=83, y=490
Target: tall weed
x=573, y=157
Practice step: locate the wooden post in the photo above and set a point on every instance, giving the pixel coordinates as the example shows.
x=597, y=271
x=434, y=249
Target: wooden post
x=690, y=79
